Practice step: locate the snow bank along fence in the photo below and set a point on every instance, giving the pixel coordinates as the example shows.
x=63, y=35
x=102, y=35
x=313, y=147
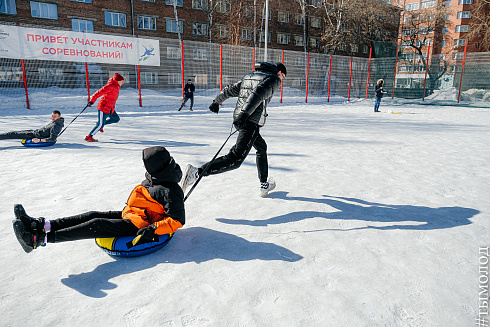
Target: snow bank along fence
x=64, y=62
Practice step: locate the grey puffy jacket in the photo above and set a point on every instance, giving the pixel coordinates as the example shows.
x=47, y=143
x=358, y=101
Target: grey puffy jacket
x=254, y=92
x=50, y=131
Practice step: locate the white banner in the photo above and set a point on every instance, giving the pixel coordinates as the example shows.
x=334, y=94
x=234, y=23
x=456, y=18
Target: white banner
x=33, y=43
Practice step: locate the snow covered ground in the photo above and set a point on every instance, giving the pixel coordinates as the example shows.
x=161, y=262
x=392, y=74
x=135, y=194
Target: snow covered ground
x=376, y=220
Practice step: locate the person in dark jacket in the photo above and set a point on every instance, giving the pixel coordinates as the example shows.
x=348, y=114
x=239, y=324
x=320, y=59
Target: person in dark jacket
x=48, y=133
x=378, y=90
x=108, y=95
x=254, y=92
x=189, y=89
x=156, y=206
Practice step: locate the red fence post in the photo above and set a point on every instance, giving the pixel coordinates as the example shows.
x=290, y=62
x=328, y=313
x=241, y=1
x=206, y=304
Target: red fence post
x=426, y=68
x=139, y=85
x=220, y=67
x=329, y=77
x=182, y=56
x=253, y=60
x=87, y=80
x=25, y=83
x=462, y=69
x=350, y=77
x=394, y=75
x=307, y=76
x=282, y=61
x=369, y=70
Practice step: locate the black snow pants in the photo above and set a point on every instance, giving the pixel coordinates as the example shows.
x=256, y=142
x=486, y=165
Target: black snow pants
x=248, y=137
x=92, y=224
x=29, y=134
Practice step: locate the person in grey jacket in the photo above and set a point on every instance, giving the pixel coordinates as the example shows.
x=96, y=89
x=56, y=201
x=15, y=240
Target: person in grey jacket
x=48, y=133
x=254, y=92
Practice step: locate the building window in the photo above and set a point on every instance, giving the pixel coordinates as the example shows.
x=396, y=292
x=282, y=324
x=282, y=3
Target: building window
x=263, y=14
x=465, y=2
x=448, y=3
x=246, y=34
x=446, y=17
x=44, y=10
x=283, y=16
x=174, y=78
x=86, y=1
x=365, y=49
x=147, y=23
x=459, y=42
x=445, y=30
x=428, y=4
x=223, y=6
x=82, y=25
x=462, y=28
x=421, y=43
x=171, y=3
x=200, y=4
x=147, y=0
x=411, y=6
x=115, y=19
x=223, y=31
x=316, y=22
x=464, y=14
x=149, y=78
x=7, y=7
x=201, y=79
x=443, y=43
x=458, y=55
x=199, y=54
x=171, y=25
x=282, y=38
x=262, y=37
x=173, y=53
x=300, y=20
x=426, y=30
x=299, y=40
x=354, y=47
x=200, y=29
x=11, y=74
x=51, y=75
x=314, y=42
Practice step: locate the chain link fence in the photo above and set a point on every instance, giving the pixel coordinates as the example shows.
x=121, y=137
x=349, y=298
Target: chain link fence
x=212, y=66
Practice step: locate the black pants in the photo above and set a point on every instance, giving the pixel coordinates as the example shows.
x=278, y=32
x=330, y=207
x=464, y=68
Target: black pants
x=92, y=224
x=29, y=134
x=185, y=100
x=248, y=137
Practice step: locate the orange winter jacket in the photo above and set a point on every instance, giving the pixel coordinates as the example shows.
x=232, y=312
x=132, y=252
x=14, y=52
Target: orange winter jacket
x=143, y=211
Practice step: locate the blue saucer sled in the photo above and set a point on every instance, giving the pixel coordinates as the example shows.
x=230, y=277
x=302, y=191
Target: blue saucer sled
x=28, y=143
x=123, y=246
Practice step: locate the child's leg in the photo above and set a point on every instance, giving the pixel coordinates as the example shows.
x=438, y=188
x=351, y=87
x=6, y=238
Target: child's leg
x=65, y=222
x=112, y=118
x=100, y=123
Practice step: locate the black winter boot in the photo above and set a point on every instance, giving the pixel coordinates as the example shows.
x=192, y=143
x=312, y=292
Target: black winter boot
x=29, y=241
x=33, y=225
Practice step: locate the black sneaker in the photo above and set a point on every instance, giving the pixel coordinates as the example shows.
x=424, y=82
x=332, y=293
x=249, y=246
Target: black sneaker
x=33, y=225
x=29, y=241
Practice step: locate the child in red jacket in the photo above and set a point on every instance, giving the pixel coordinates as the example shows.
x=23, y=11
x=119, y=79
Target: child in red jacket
x=108, y=96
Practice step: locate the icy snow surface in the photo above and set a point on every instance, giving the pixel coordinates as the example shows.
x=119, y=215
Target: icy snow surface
x=376, y=220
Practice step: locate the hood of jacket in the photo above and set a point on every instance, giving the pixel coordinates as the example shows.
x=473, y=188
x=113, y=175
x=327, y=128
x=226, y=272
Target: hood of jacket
x=267, y=67
x=171, y=173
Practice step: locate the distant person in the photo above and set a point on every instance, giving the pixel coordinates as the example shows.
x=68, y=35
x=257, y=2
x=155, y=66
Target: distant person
x=378, y=90
x=155, y=207
x=254, y=92
x=48, y=133
x=107, y=105
x=189, y=89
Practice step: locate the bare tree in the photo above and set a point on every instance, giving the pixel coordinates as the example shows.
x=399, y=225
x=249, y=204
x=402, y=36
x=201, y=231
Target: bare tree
x=417, y=27
x=350, y=23
x=480, y=28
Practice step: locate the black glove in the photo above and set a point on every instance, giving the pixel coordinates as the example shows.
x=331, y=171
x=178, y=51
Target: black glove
x=241, y=120
x=214, y=107
x=90, y=103
x=147, y=234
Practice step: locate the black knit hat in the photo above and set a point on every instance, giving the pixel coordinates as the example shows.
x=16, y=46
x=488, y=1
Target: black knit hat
x=281, y=68
x=156, y=159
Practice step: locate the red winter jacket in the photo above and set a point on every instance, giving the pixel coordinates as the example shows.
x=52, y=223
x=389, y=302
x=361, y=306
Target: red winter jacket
x=109, y=94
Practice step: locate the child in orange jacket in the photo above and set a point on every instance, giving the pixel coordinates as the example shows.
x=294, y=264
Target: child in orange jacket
x=156, y=206
x=107, y=113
